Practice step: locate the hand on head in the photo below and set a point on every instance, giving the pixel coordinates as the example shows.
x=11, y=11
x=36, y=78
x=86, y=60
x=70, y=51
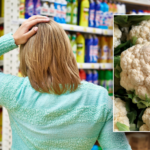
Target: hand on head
x=24, y=33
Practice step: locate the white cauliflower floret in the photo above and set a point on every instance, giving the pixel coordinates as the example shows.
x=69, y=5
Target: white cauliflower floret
x=120, y=113
x=135, y=75
x=146, y=120
x=142, y=32
x=117, y=36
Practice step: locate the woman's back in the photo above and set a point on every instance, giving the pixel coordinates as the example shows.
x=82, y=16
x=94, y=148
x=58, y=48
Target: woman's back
x=47, y=121
x=50, y=109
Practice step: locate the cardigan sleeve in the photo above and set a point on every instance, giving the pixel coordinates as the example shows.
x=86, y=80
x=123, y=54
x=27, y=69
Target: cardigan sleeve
x=108, y=139
x=9, y=85
x=7, y=43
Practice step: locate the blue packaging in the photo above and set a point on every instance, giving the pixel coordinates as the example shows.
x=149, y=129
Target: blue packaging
x=101, y=14
x=37, y=7
x=29, y=7
x=95, y=147
x=91, y=13
x=95, y=77
x=89, y=76
x=105, y=15
x=57, y=6
x=95, y=50
x=97, y=14
x=88, y=48
x=63, y=11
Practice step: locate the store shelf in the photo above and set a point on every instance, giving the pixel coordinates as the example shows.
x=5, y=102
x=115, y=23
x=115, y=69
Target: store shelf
x=1, y=63
x=76, y=28
x=137, y=2
x=1, y=20
x=95, y=65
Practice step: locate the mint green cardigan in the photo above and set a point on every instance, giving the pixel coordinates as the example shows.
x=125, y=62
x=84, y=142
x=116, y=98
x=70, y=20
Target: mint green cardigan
x=71, y=121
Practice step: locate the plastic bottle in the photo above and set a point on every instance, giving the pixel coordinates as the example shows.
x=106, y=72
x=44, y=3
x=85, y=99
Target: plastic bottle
x=110, y=15
x=69, y=8
x=105, y=15
x=114, y=8
x=123, y=8
x=133, y=12
x=108, y=78
x=110, y=48
x=47, y=8
x=22, y=9
x=140, y=12
x=84, y=13
x=74, y=45
x=37, y=7
x=95, y=50
x=101, y=78
x=57, y=5
x=91, y=13
x=89, y=76
x=63, y=11
x=119, y=8
x=80, y=48
x=69, y=35
x=29, y=5
x=101, y=13
x=97, y=14
x=82, y=75
x=88, y=48
x=95, y=77
x=74, y=12
x=104, y=49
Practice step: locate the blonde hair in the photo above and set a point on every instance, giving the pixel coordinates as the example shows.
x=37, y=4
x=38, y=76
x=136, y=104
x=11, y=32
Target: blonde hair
x=47, y=59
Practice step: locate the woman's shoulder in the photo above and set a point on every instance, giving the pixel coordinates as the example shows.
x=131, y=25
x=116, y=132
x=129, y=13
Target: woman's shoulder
x=92, y=87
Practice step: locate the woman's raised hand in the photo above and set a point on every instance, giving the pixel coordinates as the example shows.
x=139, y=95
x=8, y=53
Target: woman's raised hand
x=24, y=33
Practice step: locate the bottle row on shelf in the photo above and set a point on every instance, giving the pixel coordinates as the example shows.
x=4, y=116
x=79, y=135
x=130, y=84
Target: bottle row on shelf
x=91, y=48
x=92, y=13
x=100, y=77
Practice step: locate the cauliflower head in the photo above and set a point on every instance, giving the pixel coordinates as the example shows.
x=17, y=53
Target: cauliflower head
x=142, y=32
x=117, y=36
x=146, y=120
x=135, y=75
x=120, y=113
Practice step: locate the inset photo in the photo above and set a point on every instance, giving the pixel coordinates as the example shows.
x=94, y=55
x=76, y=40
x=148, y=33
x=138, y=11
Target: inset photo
x=131, y=41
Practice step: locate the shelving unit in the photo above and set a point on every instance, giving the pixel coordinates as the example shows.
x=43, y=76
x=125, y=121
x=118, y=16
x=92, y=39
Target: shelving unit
x=137, y=2
x=95, y=65
x=76, y=28
x=1, y=20
x=1, y=63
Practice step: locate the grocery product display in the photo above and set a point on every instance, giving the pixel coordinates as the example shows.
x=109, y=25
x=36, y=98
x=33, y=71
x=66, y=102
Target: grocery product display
x=89, y=48
x=97, y=14
x=131, y=71
x=99, y=77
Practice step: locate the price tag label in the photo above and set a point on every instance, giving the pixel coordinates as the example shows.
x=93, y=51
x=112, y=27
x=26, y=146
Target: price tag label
x=85, y=29
x=81, y=66
x=103, y=66
x=94, y=30
x=105, y=32
x=71, y=28
x=92, y=66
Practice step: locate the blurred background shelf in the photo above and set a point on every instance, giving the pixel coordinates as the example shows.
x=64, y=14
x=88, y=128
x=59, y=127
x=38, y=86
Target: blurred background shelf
x=137, y=2
x=76, y=28
x=1, y=63
x=1, y=20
